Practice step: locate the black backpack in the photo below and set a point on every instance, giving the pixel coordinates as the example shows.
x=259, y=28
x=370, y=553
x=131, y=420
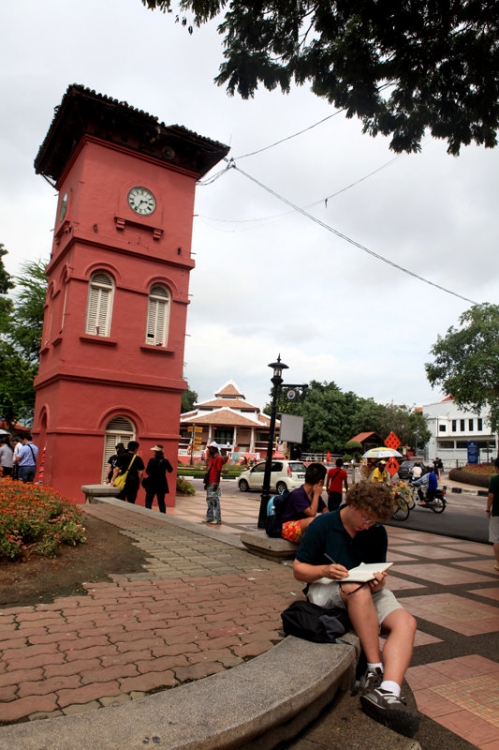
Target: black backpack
x=275, y=509
x=313, y=623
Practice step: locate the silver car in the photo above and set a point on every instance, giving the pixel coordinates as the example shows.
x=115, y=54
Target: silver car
x=285, y=475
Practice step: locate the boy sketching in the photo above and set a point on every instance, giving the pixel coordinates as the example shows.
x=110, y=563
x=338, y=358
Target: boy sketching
x=351, y=536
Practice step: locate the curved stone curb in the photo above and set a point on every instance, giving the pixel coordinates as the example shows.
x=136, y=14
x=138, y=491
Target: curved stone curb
x=259, y=543
x=254, y=706
x=466, y=491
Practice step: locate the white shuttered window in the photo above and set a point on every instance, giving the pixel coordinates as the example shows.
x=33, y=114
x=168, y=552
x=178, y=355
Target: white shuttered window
x=158, y=316
x=100, y=304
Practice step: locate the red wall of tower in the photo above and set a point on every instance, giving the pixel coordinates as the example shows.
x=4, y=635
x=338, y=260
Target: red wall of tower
x=85, y=380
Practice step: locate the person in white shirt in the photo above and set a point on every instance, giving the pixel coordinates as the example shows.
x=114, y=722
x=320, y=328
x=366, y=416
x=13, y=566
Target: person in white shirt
x=17, y=445
x=416, y=472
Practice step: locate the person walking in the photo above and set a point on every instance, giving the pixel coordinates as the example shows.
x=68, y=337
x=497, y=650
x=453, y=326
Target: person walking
x=212, y=484
x=130, y=462
x=337, y=478
x=156, y=483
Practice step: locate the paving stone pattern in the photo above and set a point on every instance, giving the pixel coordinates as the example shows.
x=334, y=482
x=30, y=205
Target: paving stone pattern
x=201, y=607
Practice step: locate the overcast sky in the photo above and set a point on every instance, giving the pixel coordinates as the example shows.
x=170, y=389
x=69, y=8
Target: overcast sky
x=268, y=279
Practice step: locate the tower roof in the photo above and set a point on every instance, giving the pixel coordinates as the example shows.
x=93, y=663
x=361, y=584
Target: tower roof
x=84, y=112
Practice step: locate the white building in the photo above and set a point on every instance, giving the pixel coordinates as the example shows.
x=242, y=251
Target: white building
x=452, y=429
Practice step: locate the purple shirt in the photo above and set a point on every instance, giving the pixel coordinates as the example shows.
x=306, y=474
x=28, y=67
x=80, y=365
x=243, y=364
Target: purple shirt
x=298, y=502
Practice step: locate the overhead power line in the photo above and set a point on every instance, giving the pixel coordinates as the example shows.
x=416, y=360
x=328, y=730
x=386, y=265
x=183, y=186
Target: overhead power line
x=290, y=137
x=232, y=165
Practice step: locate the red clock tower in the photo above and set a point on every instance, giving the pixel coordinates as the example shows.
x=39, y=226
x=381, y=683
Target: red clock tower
x=111, y=362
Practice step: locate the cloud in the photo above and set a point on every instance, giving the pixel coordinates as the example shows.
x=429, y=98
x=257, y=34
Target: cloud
x=268, y=280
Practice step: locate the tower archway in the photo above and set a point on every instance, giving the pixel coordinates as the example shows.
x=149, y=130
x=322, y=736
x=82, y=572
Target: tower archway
x=118, y=430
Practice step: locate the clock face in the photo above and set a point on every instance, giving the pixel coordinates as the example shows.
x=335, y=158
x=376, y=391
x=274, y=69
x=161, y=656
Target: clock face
x=64, y=207
x=142, y=201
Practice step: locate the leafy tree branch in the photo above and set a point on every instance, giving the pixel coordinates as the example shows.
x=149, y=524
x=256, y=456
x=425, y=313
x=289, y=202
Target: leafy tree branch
x=403, y=68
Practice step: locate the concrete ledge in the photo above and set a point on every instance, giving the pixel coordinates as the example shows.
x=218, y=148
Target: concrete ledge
x=92, y=491
x=254, y=706
x=466, y=491
x=260, y=544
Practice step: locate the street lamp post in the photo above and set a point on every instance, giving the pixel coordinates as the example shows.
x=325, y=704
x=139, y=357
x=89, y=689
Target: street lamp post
x=276, y=381
x=416, y=435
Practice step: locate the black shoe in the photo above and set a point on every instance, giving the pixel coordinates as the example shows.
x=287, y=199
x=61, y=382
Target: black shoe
x=385, y=708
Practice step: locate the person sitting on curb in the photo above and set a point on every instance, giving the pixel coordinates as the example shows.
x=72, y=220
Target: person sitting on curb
x=337, y=542
x=304, y=504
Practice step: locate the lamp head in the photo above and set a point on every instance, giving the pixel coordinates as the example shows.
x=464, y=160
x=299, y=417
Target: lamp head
x=278, y=367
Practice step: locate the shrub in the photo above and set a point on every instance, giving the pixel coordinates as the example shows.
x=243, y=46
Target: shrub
x=354, y=445
x=36, y=519
x=467, y=476
x=184, y=487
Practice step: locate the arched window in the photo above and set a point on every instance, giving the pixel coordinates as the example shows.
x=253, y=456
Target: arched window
x=100, y=304
x=158, y=316
x=118, y=430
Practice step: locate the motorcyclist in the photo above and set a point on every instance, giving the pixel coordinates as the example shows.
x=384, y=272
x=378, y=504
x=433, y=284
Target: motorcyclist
x=430, y=481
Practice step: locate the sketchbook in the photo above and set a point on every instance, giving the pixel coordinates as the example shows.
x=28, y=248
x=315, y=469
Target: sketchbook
x=361, y=574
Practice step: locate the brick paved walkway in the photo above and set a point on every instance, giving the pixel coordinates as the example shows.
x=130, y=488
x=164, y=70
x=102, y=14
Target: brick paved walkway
x=201, y=607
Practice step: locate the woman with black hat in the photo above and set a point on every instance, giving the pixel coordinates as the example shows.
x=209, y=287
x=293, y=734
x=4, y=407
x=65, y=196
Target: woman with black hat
x=156, y=483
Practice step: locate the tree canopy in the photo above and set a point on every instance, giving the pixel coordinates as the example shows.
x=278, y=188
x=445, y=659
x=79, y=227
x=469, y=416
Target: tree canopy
x=6, y=284
x=404, y=68
x=466, y=364
x=333, y=417
x=189, y=399
x=21, y=322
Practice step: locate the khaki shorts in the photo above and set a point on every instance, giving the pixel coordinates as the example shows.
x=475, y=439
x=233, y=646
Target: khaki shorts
x=328, y=595
x=494, y=529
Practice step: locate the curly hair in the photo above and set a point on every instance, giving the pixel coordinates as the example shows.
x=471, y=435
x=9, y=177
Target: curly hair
x=374, y=498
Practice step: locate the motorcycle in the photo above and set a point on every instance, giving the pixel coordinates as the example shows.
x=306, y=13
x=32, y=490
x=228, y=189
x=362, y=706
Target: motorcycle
x=437, y=503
